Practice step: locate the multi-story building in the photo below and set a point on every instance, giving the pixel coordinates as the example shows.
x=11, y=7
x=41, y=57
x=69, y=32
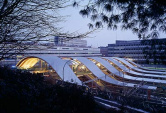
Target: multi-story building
x=62, y=41
x=61, y=48
x=141, y=51
x=65, y=48
x=64, y=51
x=104, y=51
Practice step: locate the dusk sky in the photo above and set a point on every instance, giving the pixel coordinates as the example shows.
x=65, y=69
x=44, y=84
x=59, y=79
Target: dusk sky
x=102, y=37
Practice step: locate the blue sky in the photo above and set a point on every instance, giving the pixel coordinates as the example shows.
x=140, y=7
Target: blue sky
x=103, y=37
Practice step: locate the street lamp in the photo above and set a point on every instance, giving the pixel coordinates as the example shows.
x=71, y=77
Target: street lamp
x=64, y=68
x=65, y=65
x=123, y=83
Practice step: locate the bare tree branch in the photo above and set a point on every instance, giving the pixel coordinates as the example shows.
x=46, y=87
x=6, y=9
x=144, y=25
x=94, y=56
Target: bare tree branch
x=27, y=22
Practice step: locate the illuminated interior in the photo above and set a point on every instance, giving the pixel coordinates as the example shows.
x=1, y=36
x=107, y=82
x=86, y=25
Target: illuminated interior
x=84, y=74
x=36, y=65
x=102, y=68
x=114, y=65
x=108, y=73
x=81, y=71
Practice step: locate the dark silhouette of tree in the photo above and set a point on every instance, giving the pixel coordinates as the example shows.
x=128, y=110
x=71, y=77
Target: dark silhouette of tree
x=144, y=17
x=21, y=91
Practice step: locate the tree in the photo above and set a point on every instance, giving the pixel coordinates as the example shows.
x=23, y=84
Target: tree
x=21, y=91
x=144, y=17
x=24, y=23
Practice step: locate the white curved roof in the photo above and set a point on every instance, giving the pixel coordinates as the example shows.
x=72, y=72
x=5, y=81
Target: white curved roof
x=135, y=68
x=139, y=66
x=116, y=72
x=98, y=73
x=63, y=69
x=117, y=63
x=58, y=64
x=108, y=66
x=133, y=72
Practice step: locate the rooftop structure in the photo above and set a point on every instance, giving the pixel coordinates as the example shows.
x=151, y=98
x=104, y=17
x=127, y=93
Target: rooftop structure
x=96, y=72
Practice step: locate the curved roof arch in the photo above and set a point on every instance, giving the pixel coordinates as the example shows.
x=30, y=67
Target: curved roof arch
x=131, y=71
x=116, y=72
x=141, y=70
x=60, y=66
x=141, y=67
x=98, y=73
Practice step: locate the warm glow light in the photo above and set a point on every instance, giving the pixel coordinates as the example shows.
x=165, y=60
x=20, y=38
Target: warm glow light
x=28, y=63
x=83, y=67
x=98, y=64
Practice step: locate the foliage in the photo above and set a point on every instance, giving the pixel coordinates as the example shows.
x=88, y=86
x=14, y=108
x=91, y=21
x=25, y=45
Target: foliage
x=143, y=17
x=23, y=92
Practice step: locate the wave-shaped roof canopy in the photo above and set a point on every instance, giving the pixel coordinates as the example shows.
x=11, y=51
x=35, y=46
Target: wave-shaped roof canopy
x=65, y=72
